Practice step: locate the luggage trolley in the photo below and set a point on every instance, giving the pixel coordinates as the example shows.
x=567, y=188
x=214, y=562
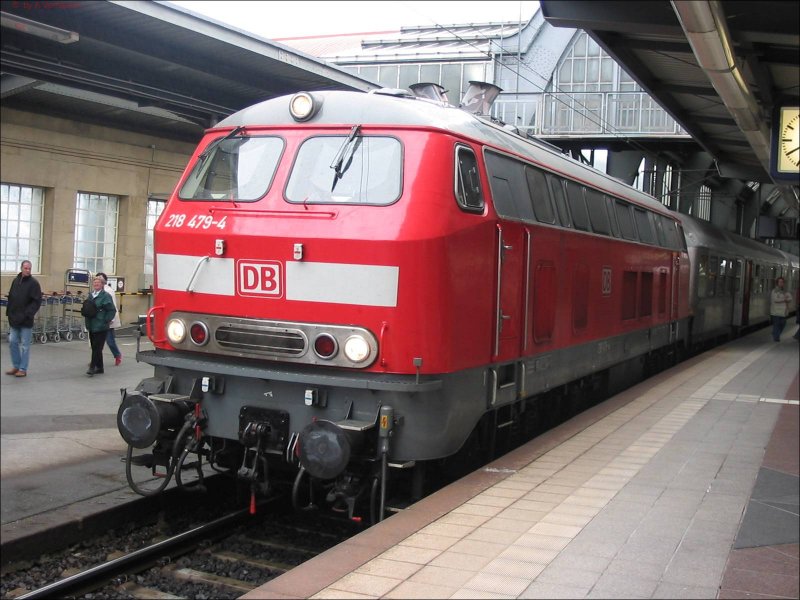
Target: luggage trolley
x=51, y=306
x=72, y=318
x=3, y=321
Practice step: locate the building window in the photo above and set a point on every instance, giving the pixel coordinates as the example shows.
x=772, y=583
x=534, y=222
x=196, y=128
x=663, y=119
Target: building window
x=701, y=208
x=96, y=232
x=154, y=210
x=21, y=209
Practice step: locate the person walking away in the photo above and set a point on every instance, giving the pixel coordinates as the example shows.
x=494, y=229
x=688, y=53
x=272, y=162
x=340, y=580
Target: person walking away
x=24, y=301
x=779, y=301
x=98, y=324
x=111, y=339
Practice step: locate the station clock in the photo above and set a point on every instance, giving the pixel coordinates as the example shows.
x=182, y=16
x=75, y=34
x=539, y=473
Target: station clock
x=786, y=143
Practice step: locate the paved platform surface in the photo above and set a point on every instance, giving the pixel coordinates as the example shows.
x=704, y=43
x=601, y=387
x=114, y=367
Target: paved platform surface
x=59, y=442
x=685, y=486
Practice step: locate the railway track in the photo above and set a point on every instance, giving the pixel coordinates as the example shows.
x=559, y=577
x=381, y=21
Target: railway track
x=223, y=558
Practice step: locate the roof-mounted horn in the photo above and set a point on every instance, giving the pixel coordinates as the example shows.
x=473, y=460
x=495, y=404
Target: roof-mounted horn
x=431, y=91
x=479, y=97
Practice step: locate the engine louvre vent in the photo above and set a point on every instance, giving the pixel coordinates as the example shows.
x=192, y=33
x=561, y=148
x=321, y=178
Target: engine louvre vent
x=255, y=339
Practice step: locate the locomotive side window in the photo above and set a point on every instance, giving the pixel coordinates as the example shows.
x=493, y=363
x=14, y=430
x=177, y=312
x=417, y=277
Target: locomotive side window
x=670, y=232
x=626, y=228
x=540, y=195
x=644, y=226
x=597, y=212
x=351, y=169
x=559, y=199
x=577, y=206
x=233, y=168
x=468, y=184
x=612, y=217
x=509, y=188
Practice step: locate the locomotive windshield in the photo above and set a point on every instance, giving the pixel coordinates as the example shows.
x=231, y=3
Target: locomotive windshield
x=233, y=168
x=346, y=169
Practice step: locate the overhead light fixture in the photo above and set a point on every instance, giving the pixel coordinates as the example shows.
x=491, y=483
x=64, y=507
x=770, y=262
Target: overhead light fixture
x=42, y=30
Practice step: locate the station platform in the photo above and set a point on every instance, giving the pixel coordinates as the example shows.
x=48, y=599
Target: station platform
x=685, y=485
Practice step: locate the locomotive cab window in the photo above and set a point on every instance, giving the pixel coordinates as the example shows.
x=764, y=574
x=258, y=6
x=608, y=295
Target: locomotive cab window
x=233, y=167
x=577, y=206
x=468, y=183
x=540, y=195
x=597, y=212
x=509, y=188
x=352, y=169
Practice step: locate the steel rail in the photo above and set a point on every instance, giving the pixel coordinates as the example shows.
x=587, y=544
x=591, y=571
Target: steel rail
x=90, y=577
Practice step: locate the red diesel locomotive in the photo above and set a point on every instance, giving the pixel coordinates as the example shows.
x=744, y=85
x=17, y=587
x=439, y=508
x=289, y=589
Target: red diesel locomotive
x=350, y=282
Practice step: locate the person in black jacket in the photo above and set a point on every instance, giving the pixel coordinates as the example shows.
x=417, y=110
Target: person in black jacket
x=24, y=300
x=98, y=324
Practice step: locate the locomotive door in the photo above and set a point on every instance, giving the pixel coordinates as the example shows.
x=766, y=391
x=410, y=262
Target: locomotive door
x=512, y=256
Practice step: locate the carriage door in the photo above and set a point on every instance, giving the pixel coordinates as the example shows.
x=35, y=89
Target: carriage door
x=742, y=312
x=512, y=255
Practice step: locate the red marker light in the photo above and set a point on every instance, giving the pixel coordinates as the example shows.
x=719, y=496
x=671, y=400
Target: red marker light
x=325, y=346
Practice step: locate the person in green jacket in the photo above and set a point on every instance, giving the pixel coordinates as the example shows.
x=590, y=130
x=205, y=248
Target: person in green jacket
x=98, y=325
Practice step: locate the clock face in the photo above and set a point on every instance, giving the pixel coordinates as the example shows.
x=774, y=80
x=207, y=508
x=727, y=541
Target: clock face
x=789, y=142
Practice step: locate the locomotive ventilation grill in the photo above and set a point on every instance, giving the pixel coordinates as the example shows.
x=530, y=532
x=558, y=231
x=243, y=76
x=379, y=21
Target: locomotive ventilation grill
x=260, y=339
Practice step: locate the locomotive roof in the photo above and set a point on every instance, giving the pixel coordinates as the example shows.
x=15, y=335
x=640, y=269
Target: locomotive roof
x=384, y=109
x=701, y=234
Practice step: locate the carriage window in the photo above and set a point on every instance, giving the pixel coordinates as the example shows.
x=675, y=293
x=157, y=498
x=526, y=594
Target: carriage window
x=643, y=225
x=702, y=276
x=577, y=206
x=713, y=268
x=468, y=183
x=597, y=212
x=540, y=195
x=346, y=170
x=623, y=210
x=557, y=192
x=509, y=188
x=663, y=292
x=233, y=168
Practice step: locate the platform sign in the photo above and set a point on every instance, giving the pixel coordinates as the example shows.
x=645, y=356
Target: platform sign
x=117, y=283
x=77, y=277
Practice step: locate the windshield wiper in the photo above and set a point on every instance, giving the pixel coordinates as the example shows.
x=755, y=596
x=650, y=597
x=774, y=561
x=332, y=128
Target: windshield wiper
x=344, y=157
x=204, y=155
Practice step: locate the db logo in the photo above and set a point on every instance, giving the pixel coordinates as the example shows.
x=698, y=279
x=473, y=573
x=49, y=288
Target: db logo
x=606, y=281
x=259, y=278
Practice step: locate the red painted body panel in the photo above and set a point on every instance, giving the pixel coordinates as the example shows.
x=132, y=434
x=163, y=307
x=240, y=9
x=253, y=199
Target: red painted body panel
x=446, y=311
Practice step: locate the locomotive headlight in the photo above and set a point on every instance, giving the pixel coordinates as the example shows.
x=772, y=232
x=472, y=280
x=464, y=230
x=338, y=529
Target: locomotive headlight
x=176, y=331
x=356, y=348
x=303, y=106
